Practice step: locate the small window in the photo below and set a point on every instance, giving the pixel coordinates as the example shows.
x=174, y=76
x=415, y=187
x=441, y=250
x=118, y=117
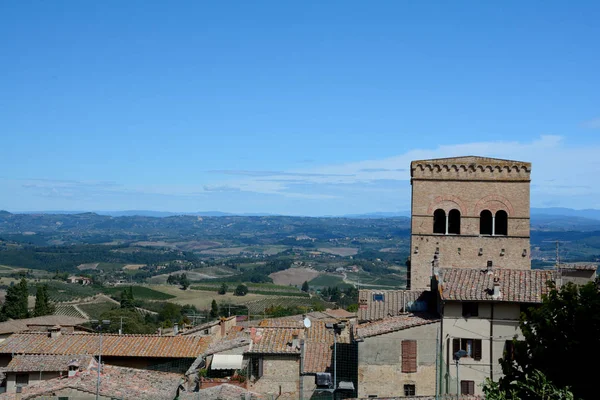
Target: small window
x=378, y=297
x=485, y=222
x=439, y=221
x=410, y=390
x=509, y=350
x=471, y=346
x=22, y=379
x=257, y=367
x=67, y=398
x=467, y=387
x=501, y=222
x=454, y=222
x=470, y=310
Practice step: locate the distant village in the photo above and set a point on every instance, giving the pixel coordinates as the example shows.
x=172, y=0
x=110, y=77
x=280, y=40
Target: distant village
x=469, y=280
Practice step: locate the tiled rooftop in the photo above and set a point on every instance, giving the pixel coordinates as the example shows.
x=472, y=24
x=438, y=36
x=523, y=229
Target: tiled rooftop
x=116, y=382
x=379, y=304
x=21, y=325
x=276, y=337
x=524, y=286
x=112, y=345
x=393, y=324
x=224, y=391
x=46, y=362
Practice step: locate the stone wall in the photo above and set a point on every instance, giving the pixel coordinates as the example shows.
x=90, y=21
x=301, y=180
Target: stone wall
x=281, y=375
x=380, y=363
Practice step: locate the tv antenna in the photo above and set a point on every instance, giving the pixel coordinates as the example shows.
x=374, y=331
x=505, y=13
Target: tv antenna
x=307, y=323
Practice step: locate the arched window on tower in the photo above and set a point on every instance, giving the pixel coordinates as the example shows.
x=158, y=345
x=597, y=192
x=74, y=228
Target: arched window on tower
x=486, y=223
x=454, y=222
x=501, y=223
x=439, y=221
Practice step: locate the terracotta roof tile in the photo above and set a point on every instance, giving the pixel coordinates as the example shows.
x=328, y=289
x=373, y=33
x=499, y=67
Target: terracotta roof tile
x=276, y=337
x=21, y=325
x=46, y=362
x=523, y=286
x=116, y=382
x=379, y=304
x=393, y=324
x=112, y=345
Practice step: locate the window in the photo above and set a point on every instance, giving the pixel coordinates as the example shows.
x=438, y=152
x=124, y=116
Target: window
x=470, y=310
x=378, y=297
x=501, y=223
x=509, y=350
x=257, y=367
x=471, y=346
x=467, y=387
x=66, y=398
x=410, y=390
x=454, y=222
x=486, y=222
x=439, y=221
x=409, y=356
x=22, y=379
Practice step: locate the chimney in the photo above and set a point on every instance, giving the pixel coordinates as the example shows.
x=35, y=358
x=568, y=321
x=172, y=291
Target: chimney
x=490, y=267
x=175, y=329
x=496, y=293
x=223, y=328
x=54, y=332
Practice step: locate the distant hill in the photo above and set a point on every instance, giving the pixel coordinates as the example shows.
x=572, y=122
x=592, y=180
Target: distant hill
x=567, y=212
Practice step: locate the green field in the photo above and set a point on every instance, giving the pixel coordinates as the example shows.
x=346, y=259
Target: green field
x=110, y=267
x=95, y=310
x=327, y=280
x=139, y=292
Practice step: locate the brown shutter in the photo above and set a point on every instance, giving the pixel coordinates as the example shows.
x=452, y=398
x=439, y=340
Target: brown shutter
x=477, y=349
x=455, y=346
x=509, y=351
x=467, y=387
x=409, y=356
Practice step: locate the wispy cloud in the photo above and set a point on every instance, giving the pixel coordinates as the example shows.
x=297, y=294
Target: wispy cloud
x=591, y=124
x=563, y=174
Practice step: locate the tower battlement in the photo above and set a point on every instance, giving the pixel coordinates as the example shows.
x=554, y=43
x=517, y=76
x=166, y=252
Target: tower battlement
x=470, y=168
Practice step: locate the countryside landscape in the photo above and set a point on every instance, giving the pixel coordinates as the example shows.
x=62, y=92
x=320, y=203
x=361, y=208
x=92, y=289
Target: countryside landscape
x=87, y=261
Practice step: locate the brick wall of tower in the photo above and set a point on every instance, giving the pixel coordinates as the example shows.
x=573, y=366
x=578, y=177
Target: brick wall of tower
x=489, y=185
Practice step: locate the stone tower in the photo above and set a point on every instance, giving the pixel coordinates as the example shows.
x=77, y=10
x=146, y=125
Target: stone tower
x=468, y=212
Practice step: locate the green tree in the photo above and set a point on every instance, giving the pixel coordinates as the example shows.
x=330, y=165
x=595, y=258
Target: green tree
x=241, y=290
x=305, y=287
x=127, y=300
x=223, y=288
x=133, y=322
x=15, y=303
x=184, y=281
x=43, y=306
x=565, y=328
x=535, y=387
x=214, y=309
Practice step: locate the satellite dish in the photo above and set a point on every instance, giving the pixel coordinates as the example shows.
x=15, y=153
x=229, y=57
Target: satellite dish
x=307, y=322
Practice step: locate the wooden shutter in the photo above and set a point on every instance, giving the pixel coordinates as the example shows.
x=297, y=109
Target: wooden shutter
x=409, y=356
x=455, y=346
x=467, y=387
x=509, y=350
x=477, y=349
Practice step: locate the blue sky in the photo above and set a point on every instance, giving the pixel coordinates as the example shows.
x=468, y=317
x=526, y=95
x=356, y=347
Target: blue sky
x=303, y=108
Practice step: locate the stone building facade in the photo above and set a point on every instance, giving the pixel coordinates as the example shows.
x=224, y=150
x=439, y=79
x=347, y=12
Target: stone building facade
x=467, y=211
x=397, y=356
